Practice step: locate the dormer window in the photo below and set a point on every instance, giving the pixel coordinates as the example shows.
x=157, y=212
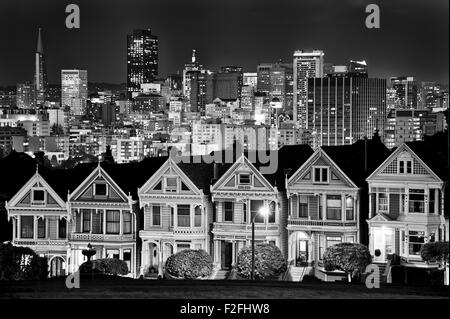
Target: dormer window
x=171, y=184
x=321, y=174
x=100, y=189
x=38, y=195
x=244, y=179
x=405, y=163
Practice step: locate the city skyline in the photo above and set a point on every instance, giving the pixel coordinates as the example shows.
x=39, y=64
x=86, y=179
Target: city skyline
x=246, y=38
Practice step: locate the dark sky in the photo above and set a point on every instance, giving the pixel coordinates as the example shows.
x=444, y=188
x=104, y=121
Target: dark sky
x=412, y=40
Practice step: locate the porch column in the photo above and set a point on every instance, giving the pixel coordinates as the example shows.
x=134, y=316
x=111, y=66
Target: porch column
x=343, y=207
x=144, y=257
x=121, y=222
x=323, y=198
x=216, y=251
x=160, y=259
x=104, y=221
x=14, y=228
x=370, y=205
x=175, y=218
x=35, y=227
x=19, y=227
x=233, y=254
x=90, y=221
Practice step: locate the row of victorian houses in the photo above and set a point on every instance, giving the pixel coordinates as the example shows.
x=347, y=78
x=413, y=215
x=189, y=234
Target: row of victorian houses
x=392, y=201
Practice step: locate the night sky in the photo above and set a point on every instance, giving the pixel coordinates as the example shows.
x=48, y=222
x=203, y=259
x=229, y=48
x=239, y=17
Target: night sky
x=412, y=40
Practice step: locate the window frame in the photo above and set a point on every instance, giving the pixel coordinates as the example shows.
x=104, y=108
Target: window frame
x=225, y=211
x=106, y=189
x=321, y=168
x=249, y=179
x=171, y=189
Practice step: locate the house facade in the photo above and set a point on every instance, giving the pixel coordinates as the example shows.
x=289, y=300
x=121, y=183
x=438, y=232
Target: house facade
x=323, y=209
x=102, y=215
x=406, y=208
x=177, y=211
x=40, y=221
x=240, y=195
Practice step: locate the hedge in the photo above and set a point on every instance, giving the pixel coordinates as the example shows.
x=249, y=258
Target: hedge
x=21, y=263
x=269, y=261
x=189, y=264
x=107, y=266
x=348, y=257
x=435, y=251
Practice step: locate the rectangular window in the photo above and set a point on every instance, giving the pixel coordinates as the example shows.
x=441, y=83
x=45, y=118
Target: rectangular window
x=198, y=217
x=416, y=241
x=86, y=220
x=431, y=201
x=112, y=222
x=112, y=253
x=383, y=204
x=171, y=184
x=62, y=229
x=183, y=246
x=334, y=207
x=127, y=258
x=272, y=210
x=303, y=206
x=333, y=241
x=244, y=207
x=156, y=215
x=100, y=189
x=38, y=195
x=255, y=207
x=405, y=167
x=416, y=201
x=228, y=211
x=97, y=222
x=244, y=179
x=41, y=228
x=320, y=174
x=349, y=209
x=127, y=218
x=184, y=215
x=26, y=227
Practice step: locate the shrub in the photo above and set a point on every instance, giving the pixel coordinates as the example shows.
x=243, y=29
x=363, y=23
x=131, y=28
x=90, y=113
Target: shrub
x=269, y=261
x=107, y=266
x=189, y=264
x=348, y=257
x=435, y=251
x=21, y=263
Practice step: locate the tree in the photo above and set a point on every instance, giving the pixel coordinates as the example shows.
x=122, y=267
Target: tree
x=269, y=261
x=348, y=257
x=436, y=252
x=21, y=263
x=189, y=264
x=57, y=129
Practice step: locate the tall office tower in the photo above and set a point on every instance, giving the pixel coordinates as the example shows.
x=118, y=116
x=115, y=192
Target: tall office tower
x=430, y=94
x=200, y=86
x=405, y=92
x=306, y=65
x=263, y=77
x=250, y=78
x=235, y=70
x=25, y=96
x=358, y=68
x=142, y=59
x=188, y=67
x=344, y=109
x=248, y=97
x=225, y=86
x=74, y=91
x=40, y=73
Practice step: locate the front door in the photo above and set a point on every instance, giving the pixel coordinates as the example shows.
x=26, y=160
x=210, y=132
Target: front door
x=383, y=243
x=226, y=254
x=302, y=253
x=56, y=267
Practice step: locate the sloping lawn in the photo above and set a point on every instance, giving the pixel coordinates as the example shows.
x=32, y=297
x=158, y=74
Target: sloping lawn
x=129, y=288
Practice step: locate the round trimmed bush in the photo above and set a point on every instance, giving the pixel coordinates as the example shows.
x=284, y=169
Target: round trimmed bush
x=107, y=266
x=21, y=263
x=348, y=257
x=189, y=264
x=269, y=261
x=435, y=252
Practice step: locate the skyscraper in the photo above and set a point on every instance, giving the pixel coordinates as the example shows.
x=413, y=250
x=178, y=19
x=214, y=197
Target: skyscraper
x=74, y=91
x=405, y=92
x=358, y=68
x=343, y=108
x=142, y=59
x=40, y=73
x=306, y=65
x=187, y=72
x=25, y=96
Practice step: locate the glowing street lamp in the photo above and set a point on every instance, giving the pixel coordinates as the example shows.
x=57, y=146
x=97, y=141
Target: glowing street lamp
x=263, y=211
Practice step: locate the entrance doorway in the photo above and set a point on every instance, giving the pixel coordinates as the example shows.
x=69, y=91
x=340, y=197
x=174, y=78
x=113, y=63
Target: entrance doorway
x=302, y=252
x=226, y=255
x=57, y=267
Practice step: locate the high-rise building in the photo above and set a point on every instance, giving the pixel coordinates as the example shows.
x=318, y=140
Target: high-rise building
x=142, y=59
x=358, y=68
x=200, y=88
x=430, y=95
x=344, y=109
x=306, y=65
x=405, y=92
x=188, y=67
x=250, y=78
x=263, y=77
x=40, y=74
x=25, y=96
x=74, y=91
x=235, y=70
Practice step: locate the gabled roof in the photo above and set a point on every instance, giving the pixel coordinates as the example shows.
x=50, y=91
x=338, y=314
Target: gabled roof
x=434, y=156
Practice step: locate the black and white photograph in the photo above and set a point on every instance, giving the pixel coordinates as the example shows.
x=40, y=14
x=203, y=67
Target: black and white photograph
x=224, y=158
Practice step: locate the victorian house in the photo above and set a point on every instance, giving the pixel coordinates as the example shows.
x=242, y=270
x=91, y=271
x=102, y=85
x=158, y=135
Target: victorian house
x=406, y=203
x=40, y=221
x=177, y=212
x=243, y=194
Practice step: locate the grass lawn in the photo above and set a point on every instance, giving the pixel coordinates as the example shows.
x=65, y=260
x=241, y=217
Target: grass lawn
x=214, y=289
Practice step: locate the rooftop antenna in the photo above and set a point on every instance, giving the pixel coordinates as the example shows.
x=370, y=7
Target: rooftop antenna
x=193, y=56
x=37, y=168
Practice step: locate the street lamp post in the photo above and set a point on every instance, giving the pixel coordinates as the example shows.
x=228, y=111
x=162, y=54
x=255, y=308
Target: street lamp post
x=264, y=211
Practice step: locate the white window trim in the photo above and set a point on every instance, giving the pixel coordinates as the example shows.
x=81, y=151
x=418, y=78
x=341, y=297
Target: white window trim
x=244, y=184
x=95, y=189
x=176, y=189
x=405, y=160
x=38, y=202
x=314, y=174
x=151, y=215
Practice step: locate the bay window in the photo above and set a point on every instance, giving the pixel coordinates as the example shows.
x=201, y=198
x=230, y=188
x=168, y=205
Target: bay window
x=416, y=201
x=184, y=215
x=41, y=228
x=383, y=203
x=127, y=219
x=334, y=207
x=228, y=211
x=112, y=222
x=303, y=206
x=156, y=215
x=198, y=217
x=255, y=207
x=349, y=209
x=86, y=215
x=97, y=222
x=62, y=229
x=26, y=227
x=416, y=241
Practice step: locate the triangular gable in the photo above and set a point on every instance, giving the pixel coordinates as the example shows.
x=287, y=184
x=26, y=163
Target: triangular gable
x=320, y=158
x=23, y=196
x=155, y=184
x=228, y=180
x=389, y=166
x=380, y=218
x=85, y=191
